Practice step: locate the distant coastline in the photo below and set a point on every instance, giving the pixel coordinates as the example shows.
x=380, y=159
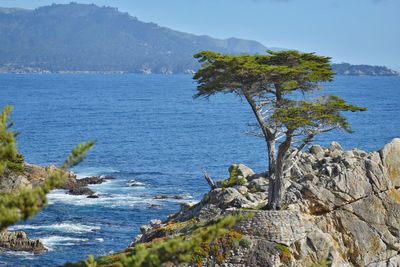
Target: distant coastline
x=347, y=69
x=112, y=42
x=343, y=69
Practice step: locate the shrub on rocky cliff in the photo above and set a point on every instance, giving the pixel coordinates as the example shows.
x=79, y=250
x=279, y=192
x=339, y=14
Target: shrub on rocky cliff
x=215, y=239
x=234, y=178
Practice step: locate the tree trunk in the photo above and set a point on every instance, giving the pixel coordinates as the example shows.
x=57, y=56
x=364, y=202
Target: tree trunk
x=274, y=202
x=278, y=185
x=268, y=135
x=271, y=171
x=275, y=183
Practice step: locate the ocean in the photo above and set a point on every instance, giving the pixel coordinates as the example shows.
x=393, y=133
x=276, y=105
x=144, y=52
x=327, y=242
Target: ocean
x=150, y=130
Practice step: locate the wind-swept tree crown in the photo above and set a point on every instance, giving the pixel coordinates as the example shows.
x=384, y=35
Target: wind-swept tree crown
x=323, y=111
x=276, y=72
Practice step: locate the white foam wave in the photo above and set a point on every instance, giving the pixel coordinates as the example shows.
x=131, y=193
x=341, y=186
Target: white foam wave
x=24, y=254
x=134, y=183
x=63, y=227
x=109, y=200
x=51, y=242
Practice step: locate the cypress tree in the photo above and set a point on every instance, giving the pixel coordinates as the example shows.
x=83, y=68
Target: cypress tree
x=272, y=85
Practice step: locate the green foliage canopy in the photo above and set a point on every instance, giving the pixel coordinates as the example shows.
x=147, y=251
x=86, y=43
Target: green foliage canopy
x=323, y=111
x=268, y=81
x=274, y=73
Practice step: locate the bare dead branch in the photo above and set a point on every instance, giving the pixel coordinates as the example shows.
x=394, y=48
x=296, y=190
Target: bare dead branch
x=209, y=180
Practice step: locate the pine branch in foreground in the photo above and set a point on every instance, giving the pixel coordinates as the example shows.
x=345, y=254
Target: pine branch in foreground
x=25, y=203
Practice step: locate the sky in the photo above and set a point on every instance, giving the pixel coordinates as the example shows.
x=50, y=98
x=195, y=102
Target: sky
x=354, y=31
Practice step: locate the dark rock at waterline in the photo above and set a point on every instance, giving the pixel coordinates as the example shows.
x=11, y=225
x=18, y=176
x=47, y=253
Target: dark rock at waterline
x=81, y=191
x=176, y=197
x=93, y=196
x=92, y=180
x=155, y=206
x=107, y=177
x=19, y=241
x=79, y=186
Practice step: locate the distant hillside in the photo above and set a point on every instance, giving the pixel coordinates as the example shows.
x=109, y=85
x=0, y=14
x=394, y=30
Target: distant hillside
x=78, y=37
x=89, y=39
x=362, y=70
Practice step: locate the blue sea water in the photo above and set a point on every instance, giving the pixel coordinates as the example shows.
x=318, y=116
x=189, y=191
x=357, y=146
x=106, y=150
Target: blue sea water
x=149, y=129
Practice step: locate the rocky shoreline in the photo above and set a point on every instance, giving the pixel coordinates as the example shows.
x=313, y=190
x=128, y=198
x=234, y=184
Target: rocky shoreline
x=31, y=177
x=34, y=175
x=342, y=208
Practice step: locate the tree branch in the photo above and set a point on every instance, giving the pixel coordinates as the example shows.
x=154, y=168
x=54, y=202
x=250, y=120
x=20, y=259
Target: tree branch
x=264, y=128
x=209, y=180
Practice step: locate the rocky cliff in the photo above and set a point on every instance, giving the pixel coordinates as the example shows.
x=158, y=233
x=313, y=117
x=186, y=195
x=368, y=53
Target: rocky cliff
x=342, y=208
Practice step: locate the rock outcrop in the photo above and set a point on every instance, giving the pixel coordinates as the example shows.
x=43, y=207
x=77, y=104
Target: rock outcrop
x=351, y=199
x=80, y=186
x=34, y=175
x=31, y=177
x=18, y=241
x=342, y=208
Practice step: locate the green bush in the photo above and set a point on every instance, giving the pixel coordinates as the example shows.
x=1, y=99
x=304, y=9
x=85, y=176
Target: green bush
x=253, y=189
x=245, y=243
x=17, y=165
x=213, y=239
x=206, y=197
x=234, y=179
x=284, y=253
x=230, y=182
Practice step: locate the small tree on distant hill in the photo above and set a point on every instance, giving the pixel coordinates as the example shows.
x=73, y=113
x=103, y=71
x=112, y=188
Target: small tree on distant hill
x=273, y=85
